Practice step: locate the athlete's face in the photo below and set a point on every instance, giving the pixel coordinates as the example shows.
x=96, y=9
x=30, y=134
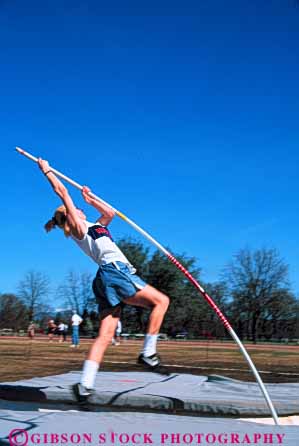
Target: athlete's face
x=81, y=214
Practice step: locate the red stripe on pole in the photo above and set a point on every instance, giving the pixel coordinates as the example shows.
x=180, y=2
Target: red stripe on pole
x=201, y=290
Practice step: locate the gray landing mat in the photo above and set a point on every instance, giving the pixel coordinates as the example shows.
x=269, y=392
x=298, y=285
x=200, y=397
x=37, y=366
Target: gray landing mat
x=145, y=391
x=115, y=429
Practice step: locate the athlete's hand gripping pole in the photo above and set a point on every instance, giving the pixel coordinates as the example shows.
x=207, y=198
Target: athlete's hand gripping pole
x=187, y=274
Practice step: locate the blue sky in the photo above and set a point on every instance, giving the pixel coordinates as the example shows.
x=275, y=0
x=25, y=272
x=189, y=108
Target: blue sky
x=183, y=115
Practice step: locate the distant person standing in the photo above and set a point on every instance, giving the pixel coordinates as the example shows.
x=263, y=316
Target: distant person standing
x=62, y=331
x=31, y=330
x=76, y=321
x=116, y=337
x=51, y=329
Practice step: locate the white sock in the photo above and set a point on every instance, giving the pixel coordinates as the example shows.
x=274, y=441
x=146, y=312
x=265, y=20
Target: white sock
x=89, y=373
x=150, y=345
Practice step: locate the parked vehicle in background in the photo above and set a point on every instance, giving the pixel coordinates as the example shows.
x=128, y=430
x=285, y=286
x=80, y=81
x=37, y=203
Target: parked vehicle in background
x=6, y=332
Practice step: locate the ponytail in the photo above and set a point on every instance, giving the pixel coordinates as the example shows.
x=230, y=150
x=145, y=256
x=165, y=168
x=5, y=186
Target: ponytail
x=51, y=224
x=59, y=219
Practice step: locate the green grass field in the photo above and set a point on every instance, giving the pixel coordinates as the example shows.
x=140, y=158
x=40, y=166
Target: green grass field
x=23, y=359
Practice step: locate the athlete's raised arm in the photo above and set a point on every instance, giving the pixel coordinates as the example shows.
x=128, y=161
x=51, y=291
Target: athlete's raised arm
x=107, y=213
x=75, y=220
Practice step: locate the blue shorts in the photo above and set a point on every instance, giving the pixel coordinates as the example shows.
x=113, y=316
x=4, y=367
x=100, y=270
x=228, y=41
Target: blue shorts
x=114, y=283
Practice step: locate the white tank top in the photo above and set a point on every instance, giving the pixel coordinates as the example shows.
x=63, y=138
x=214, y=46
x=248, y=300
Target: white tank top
x=98, y=244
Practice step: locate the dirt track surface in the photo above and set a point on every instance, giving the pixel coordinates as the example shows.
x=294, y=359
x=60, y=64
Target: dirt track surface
x=21, y=358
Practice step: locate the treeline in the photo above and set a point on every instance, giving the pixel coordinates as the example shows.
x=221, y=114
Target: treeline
x=253, y=292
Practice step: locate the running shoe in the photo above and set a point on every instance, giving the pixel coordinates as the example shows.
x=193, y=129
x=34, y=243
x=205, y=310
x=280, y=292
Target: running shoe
x=81, y=393
x=153, y=363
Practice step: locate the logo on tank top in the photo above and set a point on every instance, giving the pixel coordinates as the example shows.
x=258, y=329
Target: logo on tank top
x=97, y=231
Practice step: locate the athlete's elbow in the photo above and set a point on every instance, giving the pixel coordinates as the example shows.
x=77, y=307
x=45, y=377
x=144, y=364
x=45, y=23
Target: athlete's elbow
x=110, y=213
x=108, y=216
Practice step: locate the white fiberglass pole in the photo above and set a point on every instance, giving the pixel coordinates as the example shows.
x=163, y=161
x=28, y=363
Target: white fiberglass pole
x=187, y=274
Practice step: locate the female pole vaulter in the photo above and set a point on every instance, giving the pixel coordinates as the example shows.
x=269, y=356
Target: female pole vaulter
x=115, y=284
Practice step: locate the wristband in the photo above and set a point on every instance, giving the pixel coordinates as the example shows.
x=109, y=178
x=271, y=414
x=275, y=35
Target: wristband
x=48, y=171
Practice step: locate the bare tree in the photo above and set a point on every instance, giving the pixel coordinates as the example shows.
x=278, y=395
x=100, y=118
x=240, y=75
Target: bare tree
x=13, y=312
x=77, y=292
x=88, y=298
x=33, y=290
x=255, y=279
